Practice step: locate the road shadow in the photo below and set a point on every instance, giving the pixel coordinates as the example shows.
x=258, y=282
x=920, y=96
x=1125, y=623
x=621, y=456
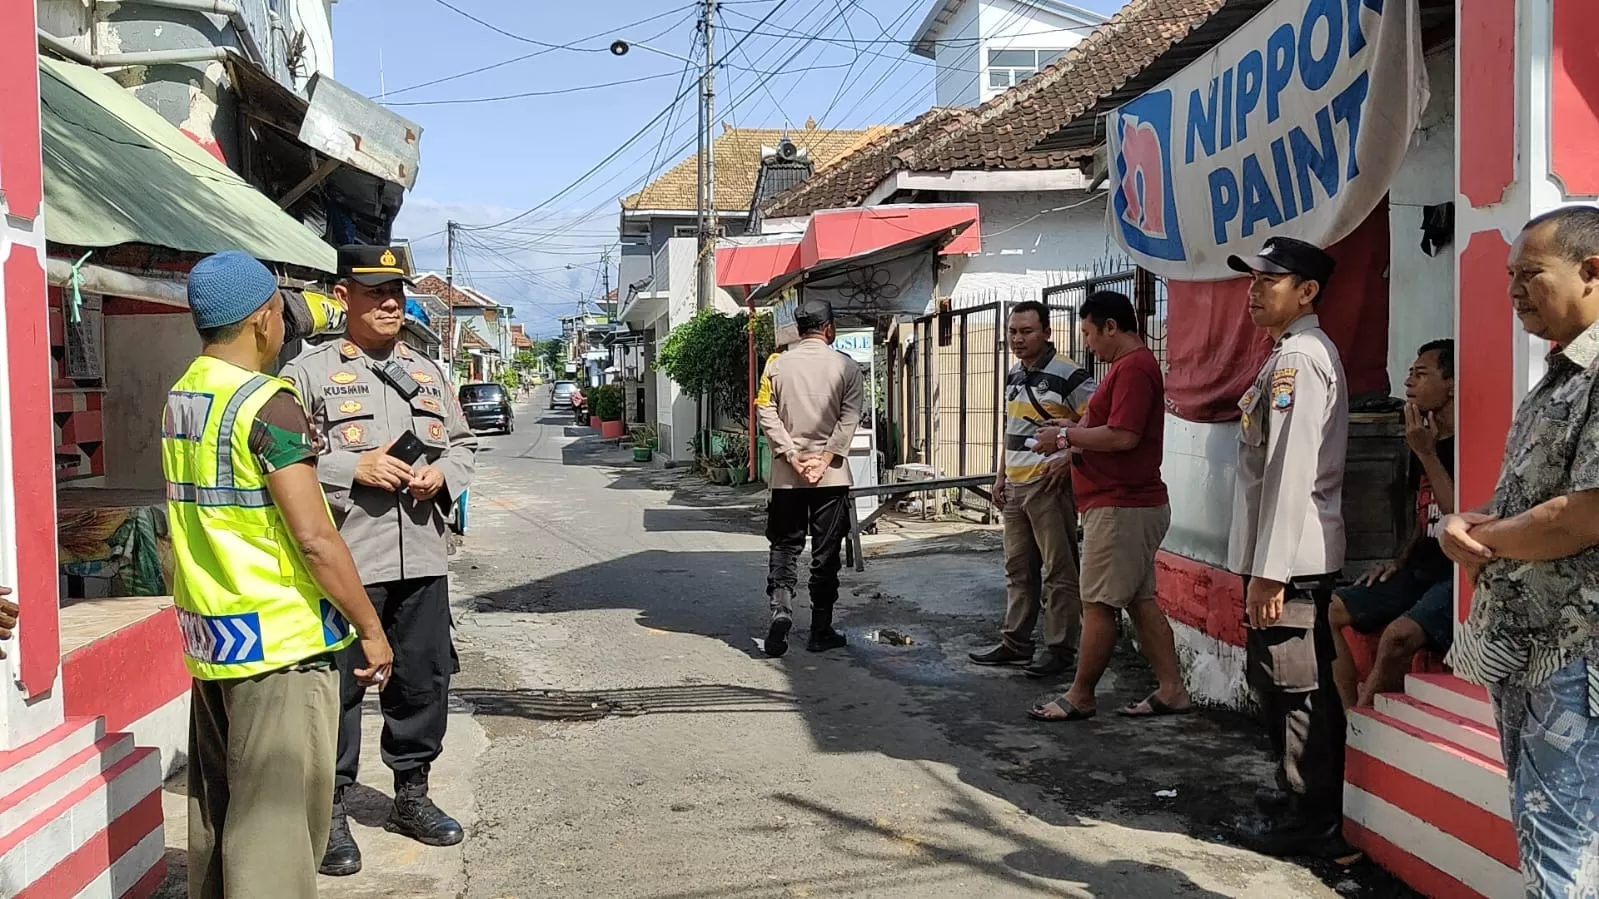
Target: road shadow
x=1189, y=775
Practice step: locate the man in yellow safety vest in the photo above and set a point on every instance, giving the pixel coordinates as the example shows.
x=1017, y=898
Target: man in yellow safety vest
x=266, y=592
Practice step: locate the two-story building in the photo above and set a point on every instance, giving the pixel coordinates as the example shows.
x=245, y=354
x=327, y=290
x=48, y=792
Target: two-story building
x=660, y=253
x=981, y=48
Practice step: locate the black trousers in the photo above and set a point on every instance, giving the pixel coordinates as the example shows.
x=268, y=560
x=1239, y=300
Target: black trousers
x=416, y=618
x=823, y=514
x=1290, y=668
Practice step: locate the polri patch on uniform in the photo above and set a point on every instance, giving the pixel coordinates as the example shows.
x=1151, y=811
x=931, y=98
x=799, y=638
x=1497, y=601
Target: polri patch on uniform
x=432, y=405
x=422, y=377
x=342, y=377
x=349, y=406
x=352, y=434
x=349, y=350
x=1282, y=388
x=435, y=430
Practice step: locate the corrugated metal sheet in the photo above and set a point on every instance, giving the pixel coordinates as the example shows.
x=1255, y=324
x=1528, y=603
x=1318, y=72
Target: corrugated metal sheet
x=352, y=129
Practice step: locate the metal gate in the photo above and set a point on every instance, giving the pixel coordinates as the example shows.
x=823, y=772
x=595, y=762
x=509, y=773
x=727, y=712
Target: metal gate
x=946, y=384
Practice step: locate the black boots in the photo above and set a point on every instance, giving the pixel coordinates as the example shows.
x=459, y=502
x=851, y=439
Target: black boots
x=416, y=816
x=777, y=634
x=823, y=637
x=343, y=857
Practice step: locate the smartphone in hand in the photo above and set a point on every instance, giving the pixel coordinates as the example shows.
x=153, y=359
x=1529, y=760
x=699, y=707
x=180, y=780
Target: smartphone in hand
x=407, y=448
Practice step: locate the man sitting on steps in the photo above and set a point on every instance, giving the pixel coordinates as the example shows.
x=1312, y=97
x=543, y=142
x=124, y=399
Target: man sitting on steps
x=1410, y=601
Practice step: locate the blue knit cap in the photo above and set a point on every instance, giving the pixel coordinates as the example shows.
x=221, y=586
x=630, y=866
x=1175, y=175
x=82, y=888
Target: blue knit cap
x=228, y=288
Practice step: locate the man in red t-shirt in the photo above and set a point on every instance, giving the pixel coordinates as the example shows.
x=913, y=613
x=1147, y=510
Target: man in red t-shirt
x=1116, y=478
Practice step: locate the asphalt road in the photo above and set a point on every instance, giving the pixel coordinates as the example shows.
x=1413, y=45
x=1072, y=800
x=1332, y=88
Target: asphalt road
x=639, y=746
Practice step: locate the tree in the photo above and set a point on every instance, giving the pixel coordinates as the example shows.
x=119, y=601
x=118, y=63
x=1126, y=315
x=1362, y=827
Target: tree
x=709, y=355
x=553, y=351
x=524, y=360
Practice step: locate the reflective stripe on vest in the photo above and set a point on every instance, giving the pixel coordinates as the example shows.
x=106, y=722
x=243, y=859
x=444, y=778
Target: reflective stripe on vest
x=247, y=603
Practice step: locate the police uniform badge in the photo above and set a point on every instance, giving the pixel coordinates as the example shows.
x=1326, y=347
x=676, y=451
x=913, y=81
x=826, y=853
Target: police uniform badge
x=1282, y=388
x=352, y=434
x=342, y=377
x=435, y=430
x=349, y=350
x=387, y=258
x=422, y=377
x=403, y=350
x=1245, y=404
x=349, y=406
x=431, y=404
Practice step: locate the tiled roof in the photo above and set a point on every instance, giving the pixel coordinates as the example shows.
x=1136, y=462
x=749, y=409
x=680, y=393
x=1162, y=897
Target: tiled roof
x=849, y=180
x=470, y=339
x=738, y=159
x=461, y=296
x=1005, y=132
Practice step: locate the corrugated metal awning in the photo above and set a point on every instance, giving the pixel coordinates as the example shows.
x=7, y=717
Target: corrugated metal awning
x=115, y=172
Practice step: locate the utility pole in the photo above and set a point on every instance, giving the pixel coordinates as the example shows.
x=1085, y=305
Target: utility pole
x=449, y=298
x=607, y=305
x=707, y=162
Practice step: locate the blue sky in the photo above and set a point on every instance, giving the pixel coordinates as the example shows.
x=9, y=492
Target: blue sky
x=483, y=162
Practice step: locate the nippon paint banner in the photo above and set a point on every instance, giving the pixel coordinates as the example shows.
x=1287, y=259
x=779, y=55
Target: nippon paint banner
x=1293, y=125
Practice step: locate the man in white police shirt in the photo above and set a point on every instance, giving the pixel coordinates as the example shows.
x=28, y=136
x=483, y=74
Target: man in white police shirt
x=371, y=397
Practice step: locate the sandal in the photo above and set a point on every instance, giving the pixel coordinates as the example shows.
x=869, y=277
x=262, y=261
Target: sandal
x=1157, y=709
x=1068, y=712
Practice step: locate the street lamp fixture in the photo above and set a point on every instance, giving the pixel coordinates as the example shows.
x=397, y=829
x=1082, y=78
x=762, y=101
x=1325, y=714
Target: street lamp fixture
x=621, y=48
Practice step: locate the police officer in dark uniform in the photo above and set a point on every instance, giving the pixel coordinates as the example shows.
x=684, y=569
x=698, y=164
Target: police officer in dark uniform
x=397, y=456
x=1287, y=541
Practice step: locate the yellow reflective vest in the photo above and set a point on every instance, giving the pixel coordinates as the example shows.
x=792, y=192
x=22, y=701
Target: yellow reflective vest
x=246, y=600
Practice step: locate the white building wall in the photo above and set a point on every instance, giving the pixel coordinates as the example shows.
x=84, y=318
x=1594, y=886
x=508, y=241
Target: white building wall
x=1031, y=240
x=1010, y=25
x=146, y=355
x=1421, y=288
x=958, y=59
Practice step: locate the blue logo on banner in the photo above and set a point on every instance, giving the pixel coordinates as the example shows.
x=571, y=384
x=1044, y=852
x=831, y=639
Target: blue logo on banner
x=1144, y=202
x=334, y=625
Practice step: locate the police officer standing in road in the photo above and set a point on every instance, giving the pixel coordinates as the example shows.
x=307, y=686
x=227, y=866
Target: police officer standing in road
x=398, y=455
x=1287, y=541
x=809, y=407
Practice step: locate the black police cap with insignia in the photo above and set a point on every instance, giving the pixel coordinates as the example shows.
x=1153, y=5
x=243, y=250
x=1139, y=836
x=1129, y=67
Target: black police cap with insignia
x=371, y=265
x=1285, y=256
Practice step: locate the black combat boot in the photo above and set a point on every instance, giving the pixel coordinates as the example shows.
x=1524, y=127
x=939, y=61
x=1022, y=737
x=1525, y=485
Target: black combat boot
x=823, y=637
x=343, y=857
x=416, y=816
x=782, y=621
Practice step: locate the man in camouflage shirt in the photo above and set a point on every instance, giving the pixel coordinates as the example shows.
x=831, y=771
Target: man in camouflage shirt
x=1532, y=553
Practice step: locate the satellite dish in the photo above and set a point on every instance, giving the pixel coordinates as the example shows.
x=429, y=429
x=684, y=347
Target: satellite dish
x=619, y=48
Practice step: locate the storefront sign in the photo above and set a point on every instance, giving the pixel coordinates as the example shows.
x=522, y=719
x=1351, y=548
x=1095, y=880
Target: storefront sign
x=1293, y=125
x=858, y=344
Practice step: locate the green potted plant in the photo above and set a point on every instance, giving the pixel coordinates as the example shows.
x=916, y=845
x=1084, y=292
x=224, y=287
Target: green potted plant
x=642, y=451
x=716, y=467
x=737, y=448
x=607, y=405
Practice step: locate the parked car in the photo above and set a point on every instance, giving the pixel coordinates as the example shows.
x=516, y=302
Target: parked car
x=561, y=394
x=487, y=408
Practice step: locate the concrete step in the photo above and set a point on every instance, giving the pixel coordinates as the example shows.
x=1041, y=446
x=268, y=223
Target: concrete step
x=1453, y=695
x=19, y=806
x=1433, y=811
x=1483, y=739
x=26, y=763
x=99, y=838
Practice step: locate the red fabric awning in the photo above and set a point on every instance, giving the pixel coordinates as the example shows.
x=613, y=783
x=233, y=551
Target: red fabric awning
x=834, y=234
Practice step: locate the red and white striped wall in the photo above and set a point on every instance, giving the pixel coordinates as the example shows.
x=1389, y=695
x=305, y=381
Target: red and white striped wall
x=80, y=804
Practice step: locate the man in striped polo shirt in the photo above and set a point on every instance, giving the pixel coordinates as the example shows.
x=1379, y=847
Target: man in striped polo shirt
x=1035, y=499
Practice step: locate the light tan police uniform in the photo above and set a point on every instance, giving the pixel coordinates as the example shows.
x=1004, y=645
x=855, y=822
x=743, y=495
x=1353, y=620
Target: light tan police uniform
x=1288, y=527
